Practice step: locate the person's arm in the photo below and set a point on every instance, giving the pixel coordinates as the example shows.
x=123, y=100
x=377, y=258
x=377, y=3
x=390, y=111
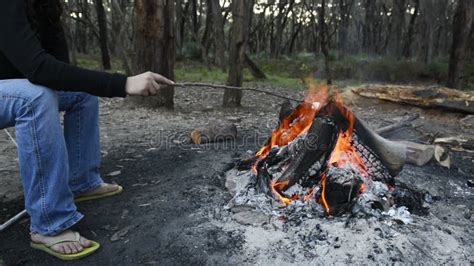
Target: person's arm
x=20, y=45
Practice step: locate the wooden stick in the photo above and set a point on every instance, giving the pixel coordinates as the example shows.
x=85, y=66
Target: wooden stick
x=398, y=125
x=21, y=214
x=225, y=87
x=11, y=137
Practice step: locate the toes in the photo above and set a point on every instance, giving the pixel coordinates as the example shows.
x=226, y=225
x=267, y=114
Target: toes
x=85, y=242
x=73, y=248
x=67, y=249
x=59, y=248
x=78, y=247
x=111, y=187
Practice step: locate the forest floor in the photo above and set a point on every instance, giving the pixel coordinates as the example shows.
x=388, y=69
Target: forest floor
x=172, y=210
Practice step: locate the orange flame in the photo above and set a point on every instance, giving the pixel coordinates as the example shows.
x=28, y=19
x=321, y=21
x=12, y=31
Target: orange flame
x=344, y=153
x=279, y=186
x=323, y=194
x=299, y=122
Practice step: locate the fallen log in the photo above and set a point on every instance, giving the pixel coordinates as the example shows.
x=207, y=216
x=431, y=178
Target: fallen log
x=214, y=133
x=439, y=97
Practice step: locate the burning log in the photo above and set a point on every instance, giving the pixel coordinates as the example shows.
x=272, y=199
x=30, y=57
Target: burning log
x=321, y=152
x=214, y=133
x=315, y=148
x=392, y=154
x=308, y=157
x=341, y=186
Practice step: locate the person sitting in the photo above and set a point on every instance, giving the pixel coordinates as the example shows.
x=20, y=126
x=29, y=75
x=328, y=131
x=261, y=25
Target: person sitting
x=57, y=165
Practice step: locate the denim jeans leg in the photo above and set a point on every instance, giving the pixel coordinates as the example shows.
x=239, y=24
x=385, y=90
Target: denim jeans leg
x=42, y=153
x=81, y=131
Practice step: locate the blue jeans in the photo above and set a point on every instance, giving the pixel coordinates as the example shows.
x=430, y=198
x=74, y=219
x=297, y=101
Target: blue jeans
x=55, y=163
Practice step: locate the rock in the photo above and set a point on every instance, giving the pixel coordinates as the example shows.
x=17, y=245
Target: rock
x=467, y=214
x=234, y=119
x=277, y=223
x=470, y=183
x=250, y=218
x=114, y=173
x=236, y=180
x=400, y=215
x=217, y=213
x=119, y=234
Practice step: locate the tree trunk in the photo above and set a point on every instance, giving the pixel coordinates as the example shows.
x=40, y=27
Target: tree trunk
x=155, y=47
x=218, y=30
x=194, y=17
x=118, y=11
x=411, y=28
x=462, y=23
x=241, y=12
x=345, y=11
x=102, y=21
x=367, y=41
x=323, y=36
x=398, y=17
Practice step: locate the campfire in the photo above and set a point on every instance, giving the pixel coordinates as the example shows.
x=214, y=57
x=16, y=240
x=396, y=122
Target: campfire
x=322, y=155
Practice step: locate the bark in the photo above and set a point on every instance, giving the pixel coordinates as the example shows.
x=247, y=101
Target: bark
x=462, y=24
x=155, y=47
x=102, y=21
x=241, y=12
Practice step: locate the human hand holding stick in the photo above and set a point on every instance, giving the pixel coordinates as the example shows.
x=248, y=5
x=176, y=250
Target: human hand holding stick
x=149, y=83
x=146, y=84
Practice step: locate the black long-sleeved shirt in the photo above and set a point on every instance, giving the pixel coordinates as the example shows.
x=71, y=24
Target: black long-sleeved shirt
x=42, y=57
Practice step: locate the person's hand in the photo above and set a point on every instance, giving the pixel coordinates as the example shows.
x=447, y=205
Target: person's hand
x=146, y=84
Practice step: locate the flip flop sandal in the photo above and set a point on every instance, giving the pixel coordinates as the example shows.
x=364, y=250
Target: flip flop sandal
x=47, y=248
x=99, y=196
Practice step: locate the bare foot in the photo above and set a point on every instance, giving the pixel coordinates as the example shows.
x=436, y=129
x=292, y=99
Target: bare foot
x=103, y=189
x=68, y=247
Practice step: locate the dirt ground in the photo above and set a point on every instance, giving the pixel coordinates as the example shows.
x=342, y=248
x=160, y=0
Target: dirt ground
x=172, y=211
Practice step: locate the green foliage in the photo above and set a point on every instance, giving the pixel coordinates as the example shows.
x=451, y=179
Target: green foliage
x=93, y=62
x=190, y=50
x=195, y=72
x=386, y=69
x=89, y=62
